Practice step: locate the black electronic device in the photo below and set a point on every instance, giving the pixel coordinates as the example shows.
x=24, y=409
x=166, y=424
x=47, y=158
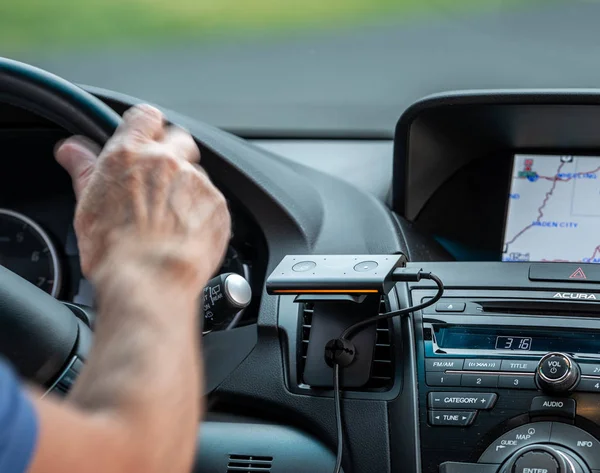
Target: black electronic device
x=343, y=289
x=334, y=274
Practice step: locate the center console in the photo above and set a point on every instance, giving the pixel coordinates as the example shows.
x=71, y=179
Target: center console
x=508, y=369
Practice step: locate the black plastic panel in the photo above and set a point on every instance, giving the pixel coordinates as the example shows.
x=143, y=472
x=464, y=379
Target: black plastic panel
x=273, y=448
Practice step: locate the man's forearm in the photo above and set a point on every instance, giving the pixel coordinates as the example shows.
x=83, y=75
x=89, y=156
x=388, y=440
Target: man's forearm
x=145, y=367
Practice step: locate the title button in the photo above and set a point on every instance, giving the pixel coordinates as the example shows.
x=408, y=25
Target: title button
x=519, y=366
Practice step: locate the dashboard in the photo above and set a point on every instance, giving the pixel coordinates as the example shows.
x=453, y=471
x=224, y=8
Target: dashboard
x=37, y=239
x=494, y=192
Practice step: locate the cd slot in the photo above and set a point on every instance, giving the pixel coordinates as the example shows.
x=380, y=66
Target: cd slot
x=545, y=308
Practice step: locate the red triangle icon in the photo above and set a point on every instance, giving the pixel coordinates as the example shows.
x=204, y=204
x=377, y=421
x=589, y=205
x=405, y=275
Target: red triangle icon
x=578, y=274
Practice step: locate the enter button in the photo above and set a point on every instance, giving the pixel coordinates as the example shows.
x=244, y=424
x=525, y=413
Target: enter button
x=553, y=406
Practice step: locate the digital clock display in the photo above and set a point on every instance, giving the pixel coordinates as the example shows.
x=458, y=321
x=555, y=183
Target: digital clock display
x=513, y=343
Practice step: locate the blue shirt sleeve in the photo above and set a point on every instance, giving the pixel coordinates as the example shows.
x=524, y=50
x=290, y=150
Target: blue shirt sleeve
x=18, y=424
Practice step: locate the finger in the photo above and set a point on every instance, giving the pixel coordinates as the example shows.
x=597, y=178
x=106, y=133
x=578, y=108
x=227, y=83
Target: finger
x=78, y=156
x=182, y=144
x=140, y=123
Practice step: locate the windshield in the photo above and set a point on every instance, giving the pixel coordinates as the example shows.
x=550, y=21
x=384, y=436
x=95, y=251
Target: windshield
x=312, y=66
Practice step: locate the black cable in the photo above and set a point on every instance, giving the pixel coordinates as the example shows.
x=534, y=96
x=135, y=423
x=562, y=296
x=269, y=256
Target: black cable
x=363, y=323
x=338, y=417
x=388, y=315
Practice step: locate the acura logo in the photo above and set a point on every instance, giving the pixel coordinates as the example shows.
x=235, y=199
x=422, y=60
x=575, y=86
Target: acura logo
x=573, y=295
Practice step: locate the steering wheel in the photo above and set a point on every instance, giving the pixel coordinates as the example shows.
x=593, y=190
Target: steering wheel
x=40, y=336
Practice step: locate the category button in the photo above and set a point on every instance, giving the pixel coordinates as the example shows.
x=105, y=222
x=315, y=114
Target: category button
x=452, y=418
x=519, y=366
x=443, y=364
x=460, y=400
x=482, y=365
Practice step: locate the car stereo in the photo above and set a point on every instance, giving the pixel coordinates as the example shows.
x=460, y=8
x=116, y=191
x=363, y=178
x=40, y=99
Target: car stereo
x=509, y=384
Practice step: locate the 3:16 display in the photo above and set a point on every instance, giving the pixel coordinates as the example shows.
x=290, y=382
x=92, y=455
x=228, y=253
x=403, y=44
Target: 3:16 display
x=513, y=343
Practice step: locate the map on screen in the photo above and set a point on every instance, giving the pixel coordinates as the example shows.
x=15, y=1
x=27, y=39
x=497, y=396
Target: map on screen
x=553, y=209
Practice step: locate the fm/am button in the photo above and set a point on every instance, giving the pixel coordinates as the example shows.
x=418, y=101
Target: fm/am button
x=444, y=364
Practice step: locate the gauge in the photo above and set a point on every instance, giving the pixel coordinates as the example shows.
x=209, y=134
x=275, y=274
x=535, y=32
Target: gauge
x=26, y=249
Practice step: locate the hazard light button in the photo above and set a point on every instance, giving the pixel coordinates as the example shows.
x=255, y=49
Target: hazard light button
x=565, y=272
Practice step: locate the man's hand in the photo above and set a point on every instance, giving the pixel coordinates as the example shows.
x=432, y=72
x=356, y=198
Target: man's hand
x=143, y=196
x=151, y=229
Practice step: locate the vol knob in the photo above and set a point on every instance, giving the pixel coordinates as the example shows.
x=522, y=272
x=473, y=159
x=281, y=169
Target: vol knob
x=557, y=372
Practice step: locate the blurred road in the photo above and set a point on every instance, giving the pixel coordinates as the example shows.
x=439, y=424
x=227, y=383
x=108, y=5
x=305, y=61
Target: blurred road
x=352, y=80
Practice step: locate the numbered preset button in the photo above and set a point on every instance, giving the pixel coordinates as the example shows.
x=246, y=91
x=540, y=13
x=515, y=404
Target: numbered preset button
x=516, y=382
x=589, y=385
x=442, y=379
x=479, y=381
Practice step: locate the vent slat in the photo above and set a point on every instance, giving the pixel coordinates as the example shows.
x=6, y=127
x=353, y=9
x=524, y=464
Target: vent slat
x=250, y=457
x=247, y=469
x=249, y=464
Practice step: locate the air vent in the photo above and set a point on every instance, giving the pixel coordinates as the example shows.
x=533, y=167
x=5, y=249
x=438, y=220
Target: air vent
x=249, y=464
x=382, y=368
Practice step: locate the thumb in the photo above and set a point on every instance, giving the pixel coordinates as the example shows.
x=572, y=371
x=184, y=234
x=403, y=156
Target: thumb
x=78, y=156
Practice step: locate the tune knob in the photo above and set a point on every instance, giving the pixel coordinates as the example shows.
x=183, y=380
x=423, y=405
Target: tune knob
x=557, y=372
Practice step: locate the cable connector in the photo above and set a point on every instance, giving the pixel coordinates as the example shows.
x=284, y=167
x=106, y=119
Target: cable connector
x=408, y=275
x=339, y=351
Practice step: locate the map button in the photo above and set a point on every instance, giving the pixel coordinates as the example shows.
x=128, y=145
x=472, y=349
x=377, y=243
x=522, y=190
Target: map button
x=565, y=272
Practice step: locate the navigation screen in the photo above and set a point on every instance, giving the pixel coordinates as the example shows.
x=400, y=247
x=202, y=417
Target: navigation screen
x=553, y=209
